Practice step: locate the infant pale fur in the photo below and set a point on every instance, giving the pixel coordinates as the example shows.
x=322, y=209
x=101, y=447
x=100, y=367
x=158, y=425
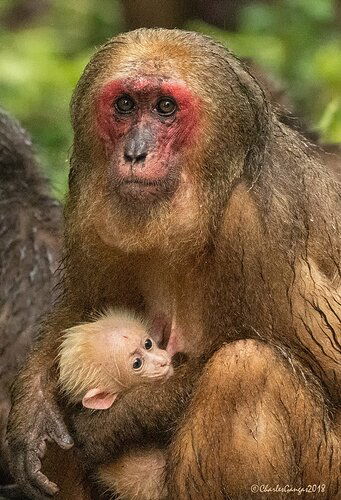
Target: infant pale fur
x=98, y=361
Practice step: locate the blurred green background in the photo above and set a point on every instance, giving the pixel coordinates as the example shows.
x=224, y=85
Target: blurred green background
x=44, y=45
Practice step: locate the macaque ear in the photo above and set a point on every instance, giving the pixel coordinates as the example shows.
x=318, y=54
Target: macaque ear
x=98, y=399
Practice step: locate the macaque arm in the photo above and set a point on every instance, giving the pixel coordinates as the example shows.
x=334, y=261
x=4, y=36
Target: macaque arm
x=146, y=412
x=35, y=416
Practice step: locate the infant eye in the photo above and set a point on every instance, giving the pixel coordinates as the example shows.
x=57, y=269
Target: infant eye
x=148, y=344
x=137, y=363
x=124, y=104
x=166, y=106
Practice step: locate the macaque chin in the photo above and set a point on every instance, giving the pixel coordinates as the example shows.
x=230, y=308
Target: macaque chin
x=99, y=360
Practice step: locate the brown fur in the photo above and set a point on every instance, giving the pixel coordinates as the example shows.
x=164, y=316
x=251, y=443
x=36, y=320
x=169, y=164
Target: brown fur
x=63, y=467
x=138, y=475
x=330, y=154
x=30, y=225
x=243, y=260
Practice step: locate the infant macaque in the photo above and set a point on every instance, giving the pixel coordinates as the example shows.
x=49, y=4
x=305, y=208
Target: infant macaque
x=98, y=361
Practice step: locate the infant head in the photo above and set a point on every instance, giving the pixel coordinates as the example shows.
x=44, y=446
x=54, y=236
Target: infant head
x=100, y=359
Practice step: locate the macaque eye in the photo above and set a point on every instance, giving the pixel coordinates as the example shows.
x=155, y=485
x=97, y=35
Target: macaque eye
x=124, y=104
x=148, y=344
x=166, y=106
x=137, y=363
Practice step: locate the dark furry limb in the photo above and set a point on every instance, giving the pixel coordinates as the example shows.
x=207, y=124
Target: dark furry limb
x=30, y=224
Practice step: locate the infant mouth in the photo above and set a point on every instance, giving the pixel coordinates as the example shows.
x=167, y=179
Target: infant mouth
x=164, y=374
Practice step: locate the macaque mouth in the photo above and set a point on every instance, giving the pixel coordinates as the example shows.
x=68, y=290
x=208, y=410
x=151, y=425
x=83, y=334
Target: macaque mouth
x=143, y=189
x=139, y=188
x=143, y=182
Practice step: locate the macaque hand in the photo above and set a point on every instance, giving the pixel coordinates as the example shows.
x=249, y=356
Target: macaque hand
x=34, y=420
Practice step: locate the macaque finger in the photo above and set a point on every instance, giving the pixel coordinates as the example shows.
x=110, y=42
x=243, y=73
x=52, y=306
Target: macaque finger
x=39, y=483
x=56, y=429
x=25, y=479
x=58, y=433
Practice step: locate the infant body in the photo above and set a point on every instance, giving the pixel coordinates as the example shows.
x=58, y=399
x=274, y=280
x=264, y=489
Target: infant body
x=100, y=360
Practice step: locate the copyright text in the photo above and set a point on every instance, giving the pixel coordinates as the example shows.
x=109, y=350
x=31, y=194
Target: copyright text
x=266, y=488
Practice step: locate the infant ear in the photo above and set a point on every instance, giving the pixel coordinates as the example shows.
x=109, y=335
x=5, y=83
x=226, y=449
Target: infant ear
x=98, y=399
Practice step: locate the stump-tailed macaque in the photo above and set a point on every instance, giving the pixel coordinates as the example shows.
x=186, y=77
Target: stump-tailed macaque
x=191, y=203
x=100, y=360
x=30, y=227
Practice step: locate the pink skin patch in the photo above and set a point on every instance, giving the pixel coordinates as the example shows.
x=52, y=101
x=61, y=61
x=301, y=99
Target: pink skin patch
x=174, y=345
x=98, y=399
x=169, y=134
x=160, y=329
x=109, y=128
x=185, y=127
x=166, y=334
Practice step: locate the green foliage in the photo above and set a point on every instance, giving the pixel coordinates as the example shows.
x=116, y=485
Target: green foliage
x=40, y=66
x=299, y=43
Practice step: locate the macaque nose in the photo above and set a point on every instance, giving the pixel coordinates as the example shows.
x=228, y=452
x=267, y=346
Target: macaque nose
x=136, y=148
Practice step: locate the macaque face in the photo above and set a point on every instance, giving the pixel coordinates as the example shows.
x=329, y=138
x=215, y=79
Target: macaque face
x=147, y=124
x=142, y=124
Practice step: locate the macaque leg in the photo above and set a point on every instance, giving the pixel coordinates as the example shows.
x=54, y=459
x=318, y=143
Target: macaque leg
x=254, y=420
x=62, y=467
x=138, y=474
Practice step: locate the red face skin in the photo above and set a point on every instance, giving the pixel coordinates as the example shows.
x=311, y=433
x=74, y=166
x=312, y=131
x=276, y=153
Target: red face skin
x=164, y=139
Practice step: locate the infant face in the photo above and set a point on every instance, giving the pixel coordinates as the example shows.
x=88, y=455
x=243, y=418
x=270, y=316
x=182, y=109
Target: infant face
x=100, y=359
x=132, y=358
x=141, y=357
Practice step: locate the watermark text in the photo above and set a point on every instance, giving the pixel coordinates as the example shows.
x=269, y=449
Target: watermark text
x=287, y=488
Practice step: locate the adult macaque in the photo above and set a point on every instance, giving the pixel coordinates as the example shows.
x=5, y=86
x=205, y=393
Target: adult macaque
x=30, y=227
x=100, y=360
x=191, y=202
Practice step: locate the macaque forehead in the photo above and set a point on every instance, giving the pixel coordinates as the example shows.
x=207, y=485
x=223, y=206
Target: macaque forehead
x=115, y=350
x=150, y=59
x=129, y=339
x=153, y=57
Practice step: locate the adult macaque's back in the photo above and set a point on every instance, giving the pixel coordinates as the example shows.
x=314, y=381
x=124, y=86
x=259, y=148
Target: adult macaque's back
x=30, y=226
x=192, y=203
